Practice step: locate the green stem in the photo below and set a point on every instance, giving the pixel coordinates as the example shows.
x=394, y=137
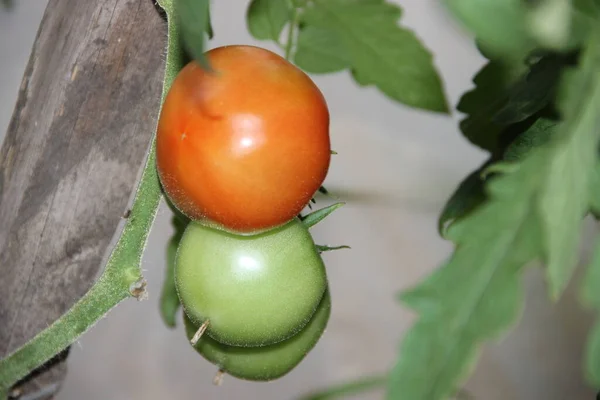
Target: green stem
x=122, y=271
x=350, y=388
x=291, y=33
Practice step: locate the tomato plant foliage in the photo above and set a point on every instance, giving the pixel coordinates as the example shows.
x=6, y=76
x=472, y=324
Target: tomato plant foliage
x=361, y=36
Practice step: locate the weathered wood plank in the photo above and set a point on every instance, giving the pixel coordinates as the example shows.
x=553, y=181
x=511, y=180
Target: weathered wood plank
x=83, y=122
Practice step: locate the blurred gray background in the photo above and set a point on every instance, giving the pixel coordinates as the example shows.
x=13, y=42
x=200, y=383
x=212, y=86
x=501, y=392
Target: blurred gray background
x=395, y=168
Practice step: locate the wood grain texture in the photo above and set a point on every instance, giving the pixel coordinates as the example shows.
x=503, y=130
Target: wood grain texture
x=78, y=137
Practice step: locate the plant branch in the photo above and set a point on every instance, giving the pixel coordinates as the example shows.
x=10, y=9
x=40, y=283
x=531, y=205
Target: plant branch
x=122, y=276
x=291, y=32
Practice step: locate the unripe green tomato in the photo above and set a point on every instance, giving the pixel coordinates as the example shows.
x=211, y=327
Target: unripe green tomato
x=267, y=362
x=253, y=290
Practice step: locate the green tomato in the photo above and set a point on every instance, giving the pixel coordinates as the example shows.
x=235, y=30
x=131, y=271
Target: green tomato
x=267, y=362
x=253, y=290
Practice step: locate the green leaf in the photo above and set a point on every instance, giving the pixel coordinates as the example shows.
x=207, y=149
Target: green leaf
x=492, y=84
x=467, y=197
x=194, y=24
x=476, y=294
x=538, y=135
x=564, y=199
x=320, y=51
x=588, y=7
x=267, y=18
x=533, y=91
x=550, y=22
x=322, y=248
x=380, y=52
x=508, y=93
x=500, y=25
x=317, y=216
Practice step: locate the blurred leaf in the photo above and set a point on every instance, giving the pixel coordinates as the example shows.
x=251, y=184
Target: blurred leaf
x=194, y=24
x=476, y=294
x=510, y=29
x=550, y=22
x=538, y=135
x=565, y=197
x=492, y=84
x=322, y=248
x=209, y=30
x=380, y=52
x=533, y=91
x=320, y=50
x=506, y=94
x=500, y=25
x=589, y=7
x=267, y=18
x=534, y=209
x=315, y=217
x=351, y=388
x=468, y=196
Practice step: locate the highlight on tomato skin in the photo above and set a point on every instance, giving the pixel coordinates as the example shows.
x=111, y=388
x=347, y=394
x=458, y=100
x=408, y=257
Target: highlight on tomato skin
x=245, y=146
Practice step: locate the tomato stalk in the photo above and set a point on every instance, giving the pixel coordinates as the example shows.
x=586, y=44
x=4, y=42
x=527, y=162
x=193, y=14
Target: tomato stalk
x=122, y=277
x=292, y=32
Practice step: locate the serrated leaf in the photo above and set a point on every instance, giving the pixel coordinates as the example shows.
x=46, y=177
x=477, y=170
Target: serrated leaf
x=194, y=25
x=469, y=194
x=317, y=216
x=267, y=18
x=476, y=294
x=505, y=94
x=492, y=84
x=564, y=199
x=381, y=52
x=323, y=248
x=320, y=50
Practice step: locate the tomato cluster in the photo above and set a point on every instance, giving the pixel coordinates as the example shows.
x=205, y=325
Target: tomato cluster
x=241, y=150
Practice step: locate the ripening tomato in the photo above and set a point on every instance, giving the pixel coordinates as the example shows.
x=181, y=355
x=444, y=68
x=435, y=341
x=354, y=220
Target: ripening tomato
x=246, y=145
x=267, y=362
x=253, y=290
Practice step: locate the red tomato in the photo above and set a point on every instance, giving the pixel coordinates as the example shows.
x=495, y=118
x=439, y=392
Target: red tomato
x=245, y=146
